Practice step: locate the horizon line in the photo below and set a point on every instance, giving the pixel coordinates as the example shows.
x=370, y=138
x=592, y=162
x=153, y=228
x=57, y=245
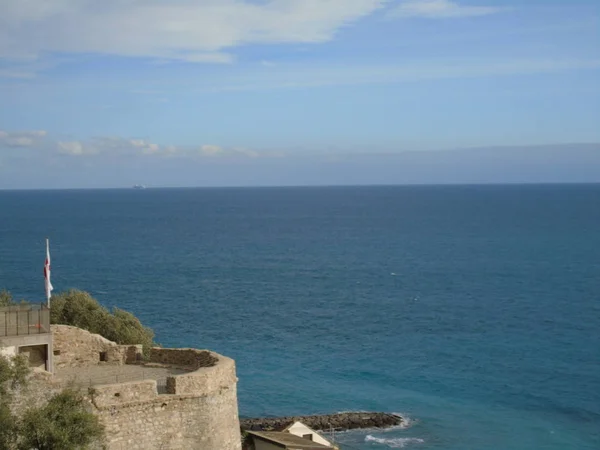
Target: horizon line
x=296, y=186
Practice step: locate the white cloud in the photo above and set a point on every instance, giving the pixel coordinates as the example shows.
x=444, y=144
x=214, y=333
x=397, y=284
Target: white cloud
x=190, y=30
x=248, y=153
x=147, y=148
x=35, y=133
x=19, y=141
x=115, y=146
x=440, y=9
x=210, y=150
x=73, y=148
x=21, y=138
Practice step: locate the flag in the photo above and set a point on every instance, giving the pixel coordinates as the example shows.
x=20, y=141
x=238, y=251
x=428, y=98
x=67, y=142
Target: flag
x=48, y=285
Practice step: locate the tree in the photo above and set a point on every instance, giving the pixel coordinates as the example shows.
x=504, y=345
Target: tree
x=5, y=298
x=80, y=309
x=64, y=423
x=13, y=374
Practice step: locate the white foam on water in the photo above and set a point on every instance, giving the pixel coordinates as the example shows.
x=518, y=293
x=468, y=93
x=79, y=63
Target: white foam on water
x=394, y=443
x=407, y=422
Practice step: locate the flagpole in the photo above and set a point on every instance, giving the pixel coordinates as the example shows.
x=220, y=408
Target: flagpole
x=47, y=283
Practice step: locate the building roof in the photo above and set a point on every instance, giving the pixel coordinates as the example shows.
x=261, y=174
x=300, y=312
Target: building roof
x=287, y=440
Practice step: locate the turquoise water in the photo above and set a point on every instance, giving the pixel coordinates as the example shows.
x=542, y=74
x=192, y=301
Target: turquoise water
x=474, y=311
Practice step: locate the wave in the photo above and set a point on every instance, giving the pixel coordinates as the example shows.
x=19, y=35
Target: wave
x=407, y=422
x=394, y=443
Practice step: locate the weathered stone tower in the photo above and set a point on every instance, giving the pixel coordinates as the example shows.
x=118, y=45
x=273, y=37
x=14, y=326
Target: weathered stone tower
x=179, y=399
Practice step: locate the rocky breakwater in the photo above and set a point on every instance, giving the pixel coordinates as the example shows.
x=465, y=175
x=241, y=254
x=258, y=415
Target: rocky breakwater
x=338, y=422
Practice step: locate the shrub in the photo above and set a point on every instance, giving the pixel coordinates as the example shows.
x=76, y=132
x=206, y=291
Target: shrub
x=5, y=298
x=13, y=373
x=64, y=423
x=80, y=309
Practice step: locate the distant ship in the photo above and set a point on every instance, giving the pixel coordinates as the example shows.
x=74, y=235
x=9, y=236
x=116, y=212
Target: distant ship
x=139, y=186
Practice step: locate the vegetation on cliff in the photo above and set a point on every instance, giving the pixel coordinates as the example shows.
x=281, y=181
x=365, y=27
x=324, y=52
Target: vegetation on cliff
x=80, y=309
x=64, y=423
x=6, y=298
x=13, y=374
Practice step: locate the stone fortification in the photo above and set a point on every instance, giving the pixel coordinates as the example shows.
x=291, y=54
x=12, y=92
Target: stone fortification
x=74, y=347
x=197, y=409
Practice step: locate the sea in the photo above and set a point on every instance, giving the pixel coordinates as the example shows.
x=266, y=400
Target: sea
x=472, y=311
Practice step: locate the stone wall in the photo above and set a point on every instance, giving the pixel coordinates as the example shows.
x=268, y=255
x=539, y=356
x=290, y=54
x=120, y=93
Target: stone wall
x=200, y=412
x=74, y=347
x=175, y=423
x=183, y=357
x=123, y=393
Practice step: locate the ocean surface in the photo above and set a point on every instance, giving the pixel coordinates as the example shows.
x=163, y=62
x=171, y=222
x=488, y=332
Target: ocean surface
x=472, y=310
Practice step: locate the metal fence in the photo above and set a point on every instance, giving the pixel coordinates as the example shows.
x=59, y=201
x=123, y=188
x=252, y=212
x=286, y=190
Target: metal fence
x=22, y=320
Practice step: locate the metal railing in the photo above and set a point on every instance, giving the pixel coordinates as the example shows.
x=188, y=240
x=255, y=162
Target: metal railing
x=23, y=320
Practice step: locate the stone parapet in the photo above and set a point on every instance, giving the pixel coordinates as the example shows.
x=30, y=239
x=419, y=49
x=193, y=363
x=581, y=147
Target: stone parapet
x=198, y=412
x=74, y=347
x=184, y=357
x=122, y=393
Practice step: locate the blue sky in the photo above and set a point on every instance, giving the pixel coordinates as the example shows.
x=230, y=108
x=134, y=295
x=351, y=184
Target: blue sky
x=233, y=92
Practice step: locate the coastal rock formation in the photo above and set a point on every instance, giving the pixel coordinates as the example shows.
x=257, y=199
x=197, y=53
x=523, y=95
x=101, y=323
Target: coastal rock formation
x=338, y=422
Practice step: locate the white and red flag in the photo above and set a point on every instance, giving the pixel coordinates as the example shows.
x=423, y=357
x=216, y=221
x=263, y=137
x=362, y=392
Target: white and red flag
x=47, y=283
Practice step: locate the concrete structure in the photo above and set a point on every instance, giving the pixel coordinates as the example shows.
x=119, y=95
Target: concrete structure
x=305, y=432
x=277, y=440
x=25, y=330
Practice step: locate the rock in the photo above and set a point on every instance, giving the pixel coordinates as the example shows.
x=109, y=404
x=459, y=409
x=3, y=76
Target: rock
x=339, y=422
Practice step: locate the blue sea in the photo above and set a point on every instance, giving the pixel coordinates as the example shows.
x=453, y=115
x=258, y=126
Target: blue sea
x=474, y=311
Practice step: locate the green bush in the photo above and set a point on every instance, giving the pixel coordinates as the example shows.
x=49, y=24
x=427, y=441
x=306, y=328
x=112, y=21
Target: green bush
x=64, y=423
x=12, y=374
x=5, y=298
x=80, y=309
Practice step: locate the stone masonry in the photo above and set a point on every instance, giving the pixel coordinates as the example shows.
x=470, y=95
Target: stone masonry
x=198, y=411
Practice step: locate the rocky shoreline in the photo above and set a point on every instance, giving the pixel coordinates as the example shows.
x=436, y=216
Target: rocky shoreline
x=338, y=422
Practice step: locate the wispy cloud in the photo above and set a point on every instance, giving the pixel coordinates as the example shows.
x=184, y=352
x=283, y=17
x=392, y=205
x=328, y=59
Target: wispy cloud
x=440, y=9
x=21, y=138
x=195, y=31
x=292, y=76
x=73, y=148
x=17, y=73
x=112, y=147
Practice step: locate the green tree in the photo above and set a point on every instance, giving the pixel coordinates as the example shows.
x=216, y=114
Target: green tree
x=64, y=423
x=80, y=309
x=13, y=374
x=5, y=298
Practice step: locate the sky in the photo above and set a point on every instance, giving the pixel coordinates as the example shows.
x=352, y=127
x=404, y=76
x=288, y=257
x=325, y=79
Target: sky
x=298, y=92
